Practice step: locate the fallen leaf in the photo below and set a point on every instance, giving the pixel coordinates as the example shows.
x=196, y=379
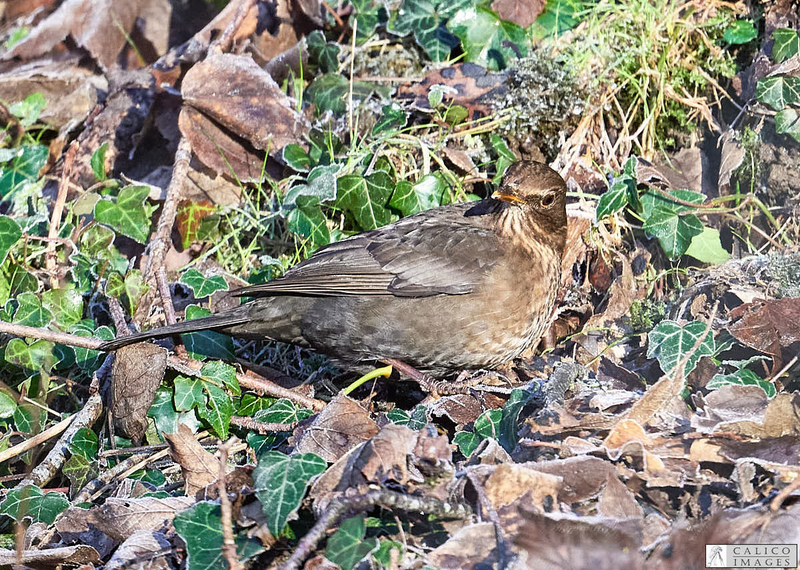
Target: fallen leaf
x=135, y=375
x=521, y=12
x=200, y=468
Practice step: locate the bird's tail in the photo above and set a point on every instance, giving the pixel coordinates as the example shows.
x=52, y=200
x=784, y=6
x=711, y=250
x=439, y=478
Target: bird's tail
x=218, y=322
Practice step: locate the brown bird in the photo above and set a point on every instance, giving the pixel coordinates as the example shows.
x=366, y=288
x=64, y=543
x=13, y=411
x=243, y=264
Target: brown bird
x=463, y=286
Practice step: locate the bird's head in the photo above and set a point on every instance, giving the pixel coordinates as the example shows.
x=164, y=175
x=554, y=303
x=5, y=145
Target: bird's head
x=539, y=192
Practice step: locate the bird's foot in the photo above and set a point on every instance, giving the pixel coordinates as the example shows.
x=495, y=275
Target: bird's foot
x=425, y=381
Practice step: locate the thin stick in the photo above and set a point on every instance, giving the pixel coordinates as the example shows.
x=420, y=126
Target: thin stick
x=52, y=336
x=261, y=427
x=32, y=442
x=58, y=210
x=223, y=42
x=352, y=67
x=228, y=544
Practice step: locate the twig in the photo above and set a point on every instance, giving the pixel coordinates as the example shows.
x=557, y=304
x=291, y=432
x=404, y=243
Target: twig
x=58, y=210
x=332, y=12
x=52, y=336
x=166, y=297
x=223, y=42
x=503, y=550
x=160, y=242
x=261, y=427
x=228, y=544
x=776, y=503
x=47, y=469
x=32, y=442
x=382, y=497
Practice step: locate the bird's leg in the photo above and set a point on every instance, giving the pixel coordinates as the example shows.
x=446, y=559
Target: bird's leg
x=425, y=382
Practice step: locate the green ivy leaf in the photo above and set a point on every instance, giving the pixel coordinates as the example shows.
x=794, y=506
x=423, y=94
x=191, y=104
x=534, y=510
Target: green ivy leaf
x=29, y=109
x=218, y=410
x=779, y=91
x=740, y=32
x=674, y=231
x=787, y=122
x=505, y=157
x=201, y=285
x=330, y=92
x=10, y=233
x=200, y=527
x=426, y=194
x=31, y=502
x=281, y=481
x=706, y=247
x=128, y=214
x=79, y=471
x=129, y=290
x=24, y=167
x=84, y=444
x=307, y=220
x=392, y=118
x=296, y=158
x=251, y=404
x=509, y=420
x=66, y=305
x=670, y=342
x=31, y=312
x=558, y=16
x=322, y=53
x=369, y=14
x=486, y=425
x=384, y=553
x=742, y=377
x=347, y=547
x=33, y=358
x=418, y=418
x=486, y=39
x=321, y=184
x=366, y=198
x=221, y=374
x=189, y=393
x=88, y=360
x=96, y=240
x=98, y=162
x=426, y=19
x=163, y=411
x=8, y=405
x=786, y=44
x=282, y=412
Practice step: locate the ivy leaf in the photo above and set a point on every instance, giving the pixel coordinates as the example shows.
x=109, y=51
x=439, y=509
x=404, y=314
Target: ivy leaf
x=392, y=118
x=366, y=198
x=426, y=194
x=670, y=342
x=96, y=239
x=188, y=393
x=509, y=420
x=323, y=53
x=296, y=157
x=29, y=109
x=8, y=405
x=282, y=412
x=79, y=471
x=505, y=157
x=674, y=231
x=66, y=305
x=347, y=547
x=88, y=359
x=706, y=247
x=251, y=404
x=200, y=527
x=25, y=166
x=221, y=374
x=306, y=219
x=193, y=218
x=128, y=214
x=9, y=235
x=426, y=20
x=558, y=16
x=786, y=44
x=98, y=162
x=742, y=377
x=779, y=91
x=31, y=502
x=486, y=39
x=740, y=32
x=85, y=444
x=321, y=184
x=331, y=92
x=787, y=122
x=31, y=312
x=281, y=481
x=486, y=425
x=201, y=285
x=218, y=409
x=369, y=14
x=129, y=289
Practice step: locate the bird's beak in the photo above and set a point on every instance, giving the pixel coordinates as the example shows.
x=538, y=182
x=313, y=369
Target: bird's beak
x=506, y=197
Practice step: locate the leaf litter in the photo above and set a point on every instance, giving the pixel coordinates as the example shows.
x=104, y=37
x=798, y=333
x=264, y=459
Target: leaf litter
x=659, y=415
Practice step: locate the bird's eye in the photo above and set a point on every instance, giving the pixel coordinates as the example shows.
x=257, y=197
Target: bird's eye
x=548, y=200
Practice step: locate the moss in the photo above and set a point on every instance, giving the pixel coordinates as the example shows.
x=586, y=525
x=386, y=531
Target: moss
x=545, y=102
x=646, y=314
x=785, y=270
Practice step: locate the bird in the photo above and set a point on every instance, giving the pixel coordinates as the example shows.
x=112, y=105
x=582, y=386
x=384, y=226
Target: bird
x=465, y=286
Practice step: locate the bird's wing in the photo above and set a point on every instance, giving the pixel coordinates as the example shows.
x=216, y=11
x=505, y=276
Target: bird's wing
x=419, y=256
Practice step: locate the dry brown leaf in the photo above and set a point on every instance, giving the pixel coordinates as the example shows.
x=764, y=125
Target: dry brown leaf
x=617, y=501
x=141, y=545
x=121, y=518
x=768, y=325
x=136, y=374
x=461, y=409
x=200, y=468
x=241, y=97
x=386, y=456
x=342, y=425
x=583, y=476
x=521, y=12
x=99, y=26
x=509, y=483
x=473, y=546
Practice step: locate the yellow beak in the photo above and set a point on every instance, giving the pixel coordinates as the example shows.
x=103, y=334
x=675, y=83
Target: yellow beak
x=510, y=198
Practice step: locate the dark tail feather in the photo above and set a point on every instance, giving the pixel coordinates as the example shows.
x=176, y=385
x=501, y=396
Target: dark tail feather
x=212, y=322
